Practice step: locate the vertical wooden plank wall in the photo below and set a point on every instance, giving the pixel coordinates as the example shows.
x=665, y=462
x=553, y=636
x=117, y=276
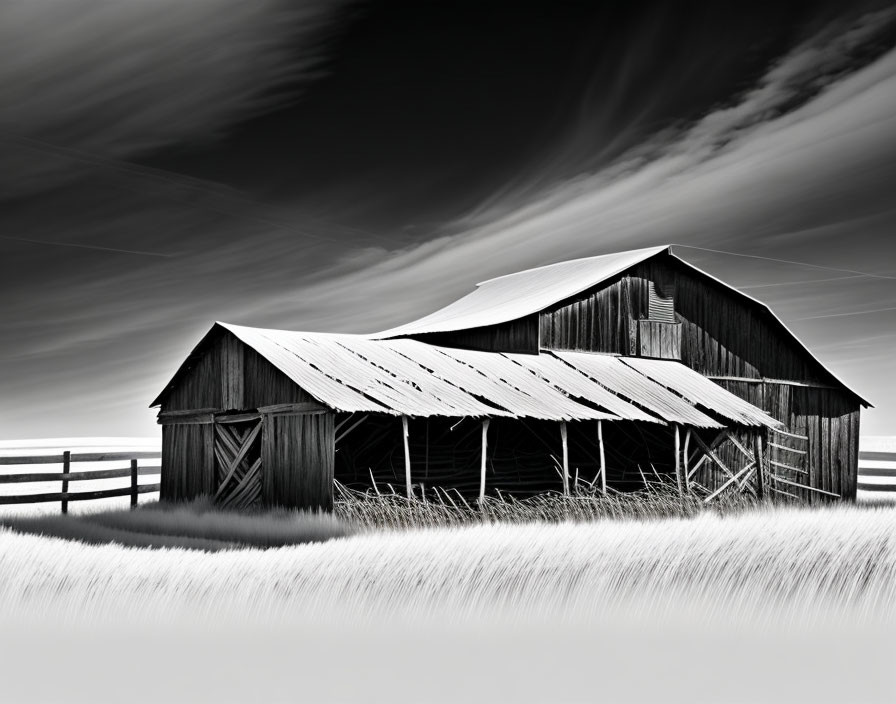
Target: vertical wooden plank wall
x=831, y=421
x=298, y=455
x=598, y=321
x=514, y=336
x=188, y=462
x=232, y=376
x=200, y=387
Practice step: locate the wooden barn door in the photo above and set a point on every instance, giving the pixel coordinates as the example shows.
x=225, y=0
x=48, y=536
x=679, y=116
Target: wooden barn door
x=237, y=462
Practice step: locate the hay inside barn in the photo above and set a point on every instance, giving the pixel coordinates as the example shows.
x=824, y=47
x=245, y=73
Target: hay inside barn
x=601, y=372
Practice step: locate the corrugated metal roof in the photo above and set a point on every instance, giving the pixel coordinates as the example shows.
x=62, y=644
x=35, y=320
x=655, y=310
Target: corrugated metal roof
x=700, y=391
x=516, y=295
x=502, y=371
x=408, y=377
x=403, y=388
x=280, y=351
x=577, y=385
x=611, y=372
x=442, y=362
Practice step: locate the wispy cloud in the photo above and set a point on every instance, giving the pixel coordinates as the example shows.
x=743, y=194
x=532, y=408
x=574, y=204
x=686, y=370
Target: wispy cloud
x=797, y=167
x=90, y=79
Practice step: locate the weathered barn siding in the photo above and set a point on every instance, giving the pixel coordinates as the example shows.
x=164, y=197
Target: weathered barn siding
x=297, y=460
x=828, y=417
x=660, y=340
x=200, y=386
x=514, y=336
x=265, y=385
x=227, y=377
x=597, y=321
x=188, y=462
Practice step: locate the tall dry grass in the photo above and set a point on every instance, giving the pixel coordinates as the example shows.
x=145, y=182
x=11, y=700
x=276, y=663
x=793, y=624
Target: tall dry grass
x=381, y=507
x=754, y=566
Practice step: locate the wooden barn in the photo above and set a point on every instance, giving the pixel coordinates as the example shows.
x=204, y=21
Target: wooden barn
x=596, y=374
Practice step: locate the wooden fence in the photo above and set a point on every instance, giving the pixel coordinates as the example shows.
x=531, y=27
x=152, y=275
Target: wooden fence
x=66, y=459
x=887, y=472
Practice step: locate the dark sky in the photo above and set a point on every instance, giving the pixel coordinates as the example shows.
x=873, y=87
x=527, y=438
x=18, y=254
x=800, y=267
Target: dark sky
x=352, y=165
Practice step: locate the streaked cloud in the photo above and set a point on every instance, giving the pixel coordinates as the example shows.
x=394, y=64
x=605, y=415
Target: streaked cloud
x=88, y=80
x=797, y=166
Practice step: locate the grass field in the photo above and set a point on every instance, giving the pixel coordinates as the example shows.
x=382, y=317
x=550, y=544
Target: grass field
x=757, y=603
x=808, y=588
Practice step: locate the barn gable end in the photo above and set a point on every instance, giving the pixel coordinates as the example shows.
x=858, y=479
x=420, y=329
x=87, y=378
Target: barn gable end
x=235, y=428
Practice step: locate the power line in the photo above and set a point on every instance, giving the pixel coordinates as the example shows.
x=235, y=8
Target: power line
x=85, y=246
x=844, y=315
x=807, y=281
x=788, y=261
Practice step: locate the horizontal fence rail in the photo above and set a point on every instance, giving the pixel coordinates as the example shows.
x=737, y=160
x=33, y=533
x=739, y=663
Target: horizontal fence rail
x=134, y=471
x=886, y=472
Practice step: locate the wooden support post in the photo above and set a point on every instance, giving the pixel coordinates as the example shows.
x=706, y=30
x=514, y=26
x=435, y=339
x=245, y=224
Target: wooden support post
x=563, y=437
x=684, y=469
x=603, y=459
x=760, y=464
x=134, y=483
x=66, y=468
x=678, y=460
x=407, y=457
x=482, y=463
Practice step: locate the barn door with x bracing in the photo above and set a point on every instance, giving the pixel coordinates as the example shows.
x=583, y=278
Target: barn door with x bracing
x=238, y=463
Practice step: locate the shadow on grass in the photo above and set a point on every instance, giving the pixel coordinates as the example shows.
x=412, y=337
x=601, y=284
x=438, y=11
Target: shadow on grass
x=197, y=525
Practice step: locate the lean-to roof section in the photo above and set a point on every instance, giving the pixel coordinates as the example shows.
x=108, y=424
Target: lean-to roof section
x=403, y=386
x=408, y=377
x=577, y=385
x=473, y=380
x=700, y=391
x=517, y=295
x=611, y=372
x=552, y=403
x=309, y=370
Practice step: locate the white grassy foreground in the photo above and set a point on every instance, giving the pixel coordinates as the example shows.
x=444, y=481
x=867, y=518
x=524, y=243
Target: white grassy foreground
x=772, y=605
x=839, y=560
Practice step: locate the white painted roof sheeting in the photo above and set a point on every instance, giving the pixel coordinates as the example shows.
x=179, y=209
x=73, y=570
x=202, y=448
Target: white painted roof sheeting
x=305, y=372
x=505, y=374
x=408, y=377
x=577, y=385
x=404, y=389
x=441, y=362
x=700, y=391
x=611, y=372
x=516, y=295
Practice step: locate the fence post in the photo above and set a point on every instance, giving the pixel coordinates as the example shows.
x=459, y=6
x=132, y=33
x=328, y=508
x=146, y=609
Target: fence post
x=133, y=483
x=66, y=467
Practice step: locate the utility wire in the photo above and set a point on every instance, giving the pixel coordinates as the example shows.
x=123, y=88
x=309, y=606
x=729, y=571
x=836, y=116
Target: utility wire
x=85, y=246
x=788, y=261
x=806, y=281
x=855, y=275
x=844, y=315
